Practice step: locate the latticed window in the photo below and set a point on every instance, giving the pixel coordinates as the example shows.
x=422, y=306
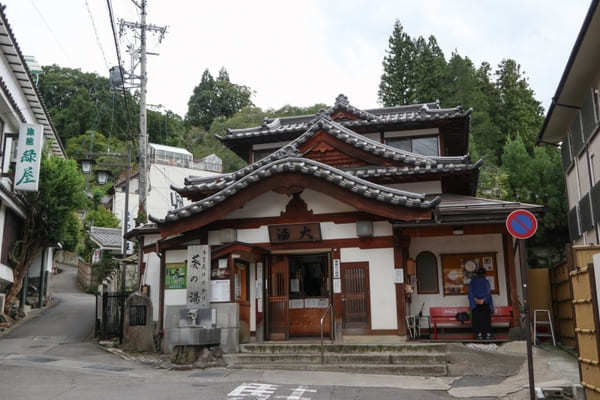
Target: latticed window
x=427, y=273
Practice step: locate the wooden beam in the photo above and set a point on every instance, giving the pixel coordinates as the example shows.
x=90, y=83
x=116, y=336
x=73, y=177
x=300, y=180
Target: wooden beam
x=446, y=230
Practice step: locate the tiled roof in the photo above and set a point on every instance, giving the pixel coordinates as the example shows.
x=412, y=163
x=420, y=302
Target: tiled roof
x=108, y=238
x=17, y=63
x=419, y=163
x=378, y=116
x=308, y=167
x=375, y=172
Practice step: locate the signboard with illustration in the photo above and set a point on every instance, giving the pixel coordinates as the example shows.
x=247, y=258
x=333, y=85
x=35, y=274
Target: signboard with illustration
x=459, y=269
x=175, y=274
x=29, y=155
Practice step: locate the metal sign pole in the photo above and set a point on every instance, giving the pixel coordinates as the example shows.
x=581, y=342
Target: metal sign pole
x=523, y=267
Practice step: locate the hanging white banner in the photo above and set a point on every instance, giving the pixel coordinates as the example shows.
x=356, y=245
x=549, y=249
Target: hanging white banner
x=29, y=156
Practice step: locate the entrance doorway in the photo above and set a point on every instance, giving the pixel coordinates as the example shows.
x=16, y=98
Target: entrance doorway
x=355, y=297
x=299, y=293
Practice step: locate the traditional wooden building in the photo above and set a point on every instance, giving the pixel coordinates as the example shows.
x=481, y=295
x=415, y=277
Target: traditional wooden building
x=371, y=214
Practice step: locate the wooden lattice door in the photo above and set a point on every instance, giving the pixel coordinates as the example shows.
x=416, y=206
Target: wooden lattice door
x=355, y=296
x=278, y=298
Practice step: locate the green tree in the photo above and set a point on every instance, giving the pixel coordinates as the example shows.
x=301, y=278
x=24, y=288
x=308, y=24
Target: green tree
x=48, y=214
x=212, y=99
x=100, y=216
x=397, y=81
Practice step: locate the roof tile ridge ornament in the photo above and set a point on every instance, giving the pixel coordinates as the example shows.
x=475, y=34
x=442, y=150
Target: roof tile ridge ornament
x=309, y=167
x=343, y=104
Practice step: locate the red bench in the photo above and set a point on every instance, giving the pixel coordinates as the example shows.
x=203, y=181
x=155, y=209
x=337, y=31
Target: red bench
x=447, y=316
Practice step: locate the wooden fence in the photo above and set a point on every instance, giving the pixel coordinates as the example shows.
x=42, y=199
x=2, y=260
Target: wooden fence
x=562, y=306
x=587, y=322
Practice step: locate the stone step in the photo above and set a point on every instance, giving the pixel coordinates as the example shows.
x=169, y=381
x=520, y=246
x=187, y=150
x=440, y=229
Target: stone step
x=338, y=358
x=385, y=369
x=288, y=348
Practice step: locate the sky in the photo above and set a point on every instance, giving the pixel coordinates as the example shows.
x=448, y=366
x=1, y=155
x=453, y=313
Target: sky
x=298, y=52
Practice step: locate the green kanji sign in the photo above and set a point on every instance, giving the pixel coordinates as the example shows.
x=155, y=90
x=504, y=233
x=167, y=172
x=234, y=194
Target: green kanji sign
x=29, y=151
x=175, y=275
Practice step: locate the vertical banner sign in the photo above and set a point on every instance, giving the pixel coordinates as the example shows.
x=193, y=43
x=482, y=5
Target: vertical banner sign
x=29, y=155
x=198, y=277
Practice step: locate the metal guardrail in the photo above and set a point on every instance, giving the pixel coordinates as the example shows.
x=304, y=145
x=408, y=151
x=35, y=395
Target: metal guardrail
x=329, y=308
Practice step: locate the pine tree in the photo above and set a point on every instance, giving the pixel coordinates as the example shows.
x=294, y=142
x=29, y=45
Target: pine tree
x=397, y=81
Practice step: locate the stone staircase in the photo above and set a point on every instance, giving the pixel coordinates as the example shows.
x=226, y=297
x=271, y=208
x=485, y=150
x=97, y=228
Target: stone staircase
x=395, y=359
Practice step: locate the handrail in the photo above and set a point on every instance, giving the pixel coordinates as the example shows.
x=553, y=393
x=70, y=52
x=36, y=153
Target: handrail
x=329, y=307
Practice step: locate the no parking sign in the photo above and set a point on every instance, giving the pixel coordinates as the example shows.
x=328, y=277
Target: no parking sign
x=522, y=224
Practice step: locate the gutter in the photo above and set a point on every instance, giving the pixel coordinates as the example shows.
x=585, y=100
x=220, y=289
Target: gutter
x=570, y=61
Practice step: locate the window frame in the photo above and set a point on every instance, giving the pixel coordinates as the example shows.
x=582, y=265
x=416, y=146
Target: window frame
x=437, y=275
x=411, y=138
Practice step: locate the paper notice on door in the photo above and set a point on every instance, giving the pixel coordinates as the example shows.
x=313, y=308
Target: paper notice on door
x=294, y=285
x=337, y=286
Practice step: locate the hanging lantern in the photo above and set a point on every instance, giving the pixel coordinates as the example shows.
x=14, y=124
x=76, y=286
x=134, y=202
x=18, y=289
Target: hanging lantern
x=86, y=166
x=102, y=176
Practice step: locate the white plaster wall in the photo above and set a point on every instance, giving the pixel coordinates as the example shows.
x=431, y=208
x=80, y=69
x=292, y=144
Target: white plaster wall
x=572, y=188
x=584, y=181
x=158, y=201
x=381, y=280
x=270, y=204
x=320, y=203
x=258, y=235
x=5, y=272
x=330, y=230
x=425, y=187
x=452, y=245
x=175, y=297
x=152, y=278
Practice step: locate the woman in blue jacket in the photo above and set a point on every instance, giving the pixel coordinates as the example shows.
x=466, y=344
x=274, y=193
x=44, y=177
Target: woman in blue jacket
x=481, y=305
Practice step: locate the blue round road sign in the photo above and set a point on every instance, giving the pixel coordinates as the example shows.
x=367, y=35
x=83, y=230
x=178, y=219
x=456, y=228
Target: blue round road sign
x=522, y=224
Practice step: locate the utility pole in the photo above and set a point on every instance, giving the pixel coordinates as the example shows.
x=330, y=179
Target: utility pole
x=143, y=28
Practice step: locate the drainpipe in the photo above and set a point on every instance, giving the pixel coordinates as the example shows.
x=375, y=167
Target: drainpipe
x=42, y=278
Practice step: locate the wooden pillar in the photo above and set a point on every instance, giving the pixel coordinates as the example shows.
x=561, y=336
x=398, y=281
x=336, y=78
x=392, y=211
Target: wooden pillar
x=511, y=277
x=161, y=295
x=401, y=244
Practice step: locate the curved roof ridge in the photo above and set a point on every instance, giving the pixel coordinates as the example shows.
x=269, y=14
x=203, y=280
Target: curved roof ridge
x=309, y=167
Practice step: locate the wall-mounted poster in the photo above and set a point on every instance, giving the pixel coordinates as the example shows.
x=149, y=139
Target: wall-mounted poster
x=175, y=274
x=459, y=269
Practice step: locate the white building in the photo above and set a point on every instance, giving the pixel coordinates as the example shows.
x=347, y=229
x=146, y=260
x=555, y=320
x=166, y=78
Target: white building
x=20, y=103
x=168, y=166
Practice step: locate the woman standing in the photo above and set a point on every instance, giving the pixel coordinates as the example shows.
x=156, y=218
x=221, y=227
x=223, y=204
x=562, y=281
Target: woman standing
x=481, y=305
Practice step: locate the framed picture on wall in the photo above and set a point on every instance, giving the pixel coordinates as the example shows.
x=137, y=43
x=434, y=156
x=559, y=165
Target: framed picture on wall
x=459, y=269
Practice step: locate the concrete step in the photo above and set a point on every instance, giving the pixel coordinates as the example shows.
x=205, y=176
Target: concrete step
x=338, y=358
x=289, y=348
x=386, y=369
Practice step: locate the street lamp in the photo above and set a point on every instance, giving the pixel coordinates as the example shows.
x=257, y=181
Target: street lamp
x=86, y=166
x=102, y=176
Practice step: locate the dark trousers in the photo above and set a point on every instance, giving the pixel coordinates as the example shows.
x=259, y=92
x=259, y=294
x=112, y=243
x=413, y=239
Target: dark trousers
x=482, y=319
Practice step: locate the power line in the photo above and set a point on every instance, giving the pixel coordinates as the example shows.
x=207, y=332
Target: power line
x=87, y=5
x=121, y=70
x=51, y=32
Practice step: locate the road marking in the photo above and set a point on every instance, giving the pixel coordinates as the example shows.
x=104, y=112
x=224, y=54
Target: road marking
x=298, y=393
x=259, y=391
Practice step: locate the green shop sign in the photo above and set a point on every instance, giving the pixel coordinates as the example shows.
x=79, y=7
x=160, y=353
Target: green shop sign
x=175, y=274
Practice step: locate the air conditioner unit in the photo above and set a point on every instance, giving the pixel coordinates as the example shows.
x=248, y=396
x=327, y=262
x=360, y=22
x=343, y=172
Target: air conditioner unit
x=2, y=302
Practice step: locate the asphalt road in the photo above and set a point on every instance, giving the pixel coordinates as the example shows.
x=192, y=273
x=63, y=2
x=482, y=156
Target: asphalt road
x=53, y=356
x=71, y=318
